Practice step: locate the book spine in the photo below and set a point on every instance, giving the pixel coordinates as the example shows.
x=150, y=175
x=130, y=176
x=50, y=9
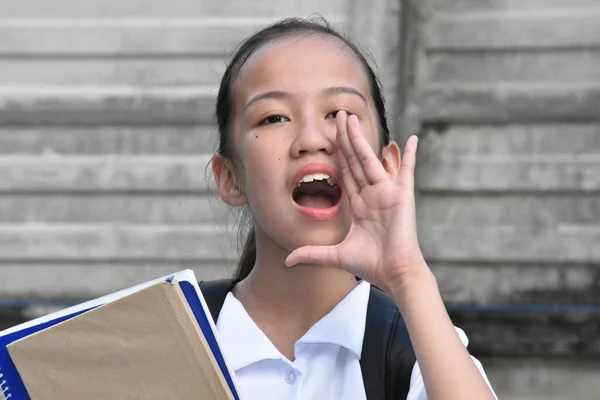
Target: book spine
x=4, y=389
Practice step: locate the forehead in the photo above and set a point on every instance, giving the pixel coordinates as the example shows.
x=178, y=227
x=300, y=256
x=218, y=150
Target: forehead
x=301, y=63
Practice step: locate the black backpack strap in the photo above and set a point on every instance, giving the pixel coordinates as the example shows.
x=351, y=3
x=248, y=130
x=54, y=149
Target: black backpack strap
x=387, y=357
x=214, y=293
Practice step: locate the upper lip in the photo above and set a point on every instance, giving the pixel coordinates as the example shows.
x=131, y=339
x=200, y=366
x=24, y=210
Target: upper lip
x=314, y=168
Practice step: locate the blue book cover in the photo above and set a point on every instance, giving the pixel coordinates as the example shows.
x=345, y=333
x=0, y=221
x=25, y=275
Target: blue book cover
x=13, y=388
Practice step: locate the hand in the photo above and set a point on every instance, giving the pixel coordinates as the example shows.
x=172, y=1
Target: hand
x=382, y=245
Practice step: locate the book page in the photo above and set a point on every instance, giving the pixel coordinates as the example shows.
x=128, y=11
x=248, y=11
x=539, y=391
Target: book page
x=144, y=346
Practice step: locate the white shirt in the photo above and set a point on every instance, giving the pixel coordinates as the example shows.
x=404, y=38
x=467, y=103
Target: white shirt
x=327, y=364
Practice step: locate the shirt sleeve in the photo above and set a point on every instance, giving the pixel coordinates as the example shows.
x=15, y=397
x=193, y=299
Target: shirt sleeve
x=417, y=387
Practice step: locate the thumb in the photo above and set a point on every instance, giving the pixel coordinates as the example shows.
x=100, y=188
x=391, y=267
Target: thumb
x=320, y=255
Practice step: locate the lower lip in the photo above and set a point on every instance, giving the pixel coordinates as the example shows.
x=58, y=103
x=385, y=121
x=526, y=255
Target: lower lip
x=319, y=214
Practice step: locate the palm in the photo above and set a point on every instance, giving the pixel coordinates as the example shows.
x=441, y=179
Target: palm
x=382, y=242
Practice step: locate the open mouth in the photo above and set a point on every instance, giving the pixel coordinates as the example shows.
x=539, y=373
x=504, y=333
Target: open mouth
x=317, y=191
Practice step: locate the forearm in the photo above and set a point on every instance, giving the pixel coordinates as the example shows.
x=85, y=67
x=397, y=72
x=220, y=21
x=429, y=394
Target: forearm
x=446, y=366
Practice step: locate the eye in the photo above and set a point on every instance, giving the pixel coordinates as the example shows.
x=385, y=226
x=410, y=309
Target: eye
x=274, y=119
x=333, y=114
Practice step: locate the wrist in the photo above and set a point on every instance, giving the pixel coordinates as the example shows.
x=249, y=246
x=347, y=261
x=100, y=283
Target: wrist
x=417, y=283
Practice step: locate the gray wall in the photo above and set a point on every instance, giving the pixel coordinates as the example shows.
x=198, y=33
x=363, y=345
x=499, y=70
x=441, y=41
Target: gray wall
x=105, y=132
x=106, y=129
x=506, y=95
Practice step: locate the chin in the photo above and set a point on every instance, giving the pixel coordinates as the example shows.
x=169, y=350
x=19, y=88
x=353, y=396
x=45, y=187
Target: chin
x=320, y=237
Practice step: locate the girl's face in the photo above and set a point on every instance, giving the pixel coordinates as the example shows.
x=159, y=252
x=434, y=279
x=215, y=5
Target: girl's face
x=286, y=98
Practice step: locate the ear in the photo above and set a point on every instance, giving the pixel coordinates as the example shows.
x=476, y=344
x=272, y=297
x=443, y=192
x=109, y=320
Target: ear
x=227, y=182
x=391, y=159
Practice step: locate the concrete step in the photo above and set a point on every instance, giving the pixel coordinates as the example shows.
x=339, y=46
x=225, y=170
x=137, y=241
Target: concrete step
x=158, y=174
x=503, y=284
x=49, y=285
x=543, y=28
x=510, y=243
x=166, y=9
x=100, y=37
x=107, y=140
x=478, y=6
x=30, y=243
x=531, y=330
x=579, y=65
x=106, y=105
x=552, y=139
x=195, y=70
x=544, y=378
x=507, y=103
x=502, y=173
x=115, y=208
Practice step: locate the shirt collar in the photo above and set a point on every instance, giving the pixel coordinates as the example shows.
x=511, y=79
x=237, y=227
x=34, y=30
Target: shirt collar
x=243, y=343
x=344, y=325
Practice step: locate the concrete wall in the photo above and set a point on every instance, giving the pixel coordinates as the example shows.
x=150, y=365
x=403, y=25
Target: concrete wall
x=106, y=128
x=505, y=95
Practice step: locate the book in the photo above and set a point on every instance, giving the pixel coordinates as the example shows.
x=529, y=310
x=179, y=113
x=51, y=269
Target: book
x=154, y=340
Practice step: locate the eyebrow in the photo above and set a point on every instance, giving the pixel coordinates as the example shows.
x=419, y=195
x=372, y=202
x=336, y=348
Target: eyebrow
x=336, y=90
x=280, y=95
x=276, y=94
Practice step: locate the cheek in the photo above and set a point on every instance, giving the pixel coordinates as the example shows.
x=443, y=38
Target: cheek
x=261, y=151
x=263, y=162
x=371, y=133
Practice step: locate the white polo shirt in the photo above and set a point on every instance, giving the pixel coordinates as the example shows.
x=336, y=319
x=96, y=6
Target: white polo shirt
x=327, y=364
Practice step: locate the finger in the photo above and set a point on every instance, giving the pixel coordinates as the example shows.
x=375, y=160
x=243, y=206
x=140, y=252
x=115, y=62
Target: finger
x=406, y=175
x=315, y=255
x=370, y=164
x=349, y=185
x=352, y=160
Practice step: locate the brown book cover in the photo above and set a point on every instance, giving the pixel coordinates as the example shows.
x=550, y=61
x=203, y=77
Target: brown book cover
x=146, y=345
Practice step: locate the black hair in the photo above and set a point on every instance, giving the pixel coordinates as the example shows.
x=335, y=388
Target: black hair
x=225, y=100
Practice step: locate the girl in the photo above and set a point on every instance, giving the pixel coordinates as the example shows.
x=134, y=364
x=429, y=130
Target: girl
x=304, y=144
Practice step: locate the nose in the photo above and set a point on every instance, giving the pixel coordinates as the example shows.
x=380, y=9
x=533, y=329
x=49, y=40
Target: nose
x=313, y=136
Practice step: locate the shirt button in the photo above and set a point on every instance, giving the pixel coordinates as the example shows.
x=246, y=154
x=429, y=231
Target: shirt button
x=291, y=378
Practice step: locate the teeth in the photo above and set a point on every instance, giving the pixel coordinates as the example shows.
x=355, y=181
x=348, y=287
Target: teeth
x=316, y=177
